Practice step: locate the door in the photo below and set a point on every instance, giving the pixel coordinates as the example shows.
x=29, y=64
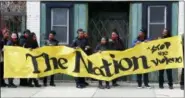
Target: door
x=103, y=24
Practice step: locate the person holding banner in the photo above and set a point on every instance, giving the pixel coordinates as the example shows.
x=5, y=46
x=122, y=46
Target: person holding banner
x=4, y=40
x=142, y=38
x=51, y=42
x=23, y=41
x=80, y=42
x=116, y=44
x=31, y=43
x=14, y=41
x=104, y=45
x=165, y=34
x=24, y=37
x=88, y=49
x=182, y=74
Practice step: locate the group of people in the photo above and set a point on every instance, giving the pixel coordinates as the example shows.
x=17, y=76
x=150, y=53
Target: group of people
x=82, y=42
x=29, y=40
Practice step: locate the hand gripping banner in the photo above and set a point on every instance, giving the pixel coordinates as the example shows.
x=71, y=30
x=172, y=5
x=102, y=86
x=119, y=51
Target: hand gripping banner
x=107, y=65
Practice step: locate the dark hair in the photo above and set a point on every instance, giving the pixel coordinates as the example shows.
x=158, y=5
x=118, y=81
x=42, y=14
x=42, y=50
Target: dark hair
x=144, y=32
x=29, y=40
x=79, y=30
x=52, y=32
x=27, y=31
x=32, y=34
x=114, y=30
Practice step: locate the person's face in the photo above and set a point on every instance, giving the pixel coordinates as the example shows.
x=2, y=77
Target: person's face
x=26, y=35
x=165, y=32
x=103, y=41
x=141, y=34
x=86, y=35
x=6, y=35
x=14, y=37
x=80, y=34
x=51, y=36
x=4, y=31
x=34, y=37
x=114, y=35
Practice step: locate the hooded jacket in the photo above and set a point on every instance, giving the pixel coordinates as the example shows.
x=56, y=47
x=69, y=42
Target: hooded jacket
x=80, y=42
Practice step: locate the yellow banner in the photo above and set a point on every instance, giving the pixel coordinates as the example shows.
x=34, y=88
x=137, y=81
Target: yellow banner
x=144, y=57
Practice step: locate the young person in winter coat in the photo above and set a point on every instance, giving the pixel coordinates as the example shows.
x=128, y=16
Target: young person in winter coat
x=23, y=41
x=103, y=46
x=116, y=44
x=3, y=41
x=24, y=37
x=14, y=41
x=142, y=38
x=80, y=42
x=88, y=49
x=51, y=42
x=31, y=42
x=165, y=34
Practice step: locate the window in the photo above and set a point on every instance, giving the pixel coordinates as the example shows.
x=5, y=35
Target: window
x=60, y=24
x=156, y=20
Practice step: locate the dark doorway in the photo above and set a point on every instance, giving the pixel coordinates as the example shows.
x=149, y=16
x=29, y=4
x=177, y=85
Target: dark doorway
x=106, y=16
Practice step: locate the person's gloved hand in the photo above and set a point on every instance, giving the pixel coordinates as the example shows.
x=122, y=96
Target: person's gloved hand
x=77, y=47
x=87, y=47
x=110, y=40
x=138, y=42
x=146, y=41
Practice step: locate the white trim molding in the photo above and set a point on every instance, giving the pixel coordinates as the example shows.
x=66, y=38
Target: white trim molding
x=181, y=18
x=33, y=18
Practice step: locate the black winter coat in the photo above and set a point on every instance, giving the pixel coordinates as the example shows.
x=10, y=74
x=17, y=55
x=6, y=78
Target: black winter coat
x=82, y=43
x=117, y=45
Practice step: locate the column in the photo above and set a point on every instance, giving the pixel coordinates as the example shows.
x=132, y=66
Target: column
x=43, y=24
x=135, y=24
x=80, y=17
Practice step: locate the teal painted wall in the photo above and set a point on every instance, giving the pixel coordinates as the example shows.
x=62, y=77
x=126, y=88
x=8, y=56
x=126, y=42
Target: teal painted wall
x=135, y=24
x=42, y=23
x=175, y=10
x=135, y=21
x=80, y=17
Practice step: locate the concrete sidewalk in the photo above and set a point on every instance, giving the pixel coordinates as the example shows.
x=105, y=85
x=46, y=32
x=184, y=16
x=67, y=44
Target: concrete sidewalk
x=69, y=90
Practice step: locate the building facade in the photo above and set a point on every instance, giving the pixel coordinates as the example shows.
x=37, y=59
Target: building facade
x=99, y=18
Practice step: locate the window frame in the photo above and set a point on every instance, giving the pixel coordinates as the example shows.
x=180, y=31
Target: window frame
x=155, y=23
x=67, y=25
